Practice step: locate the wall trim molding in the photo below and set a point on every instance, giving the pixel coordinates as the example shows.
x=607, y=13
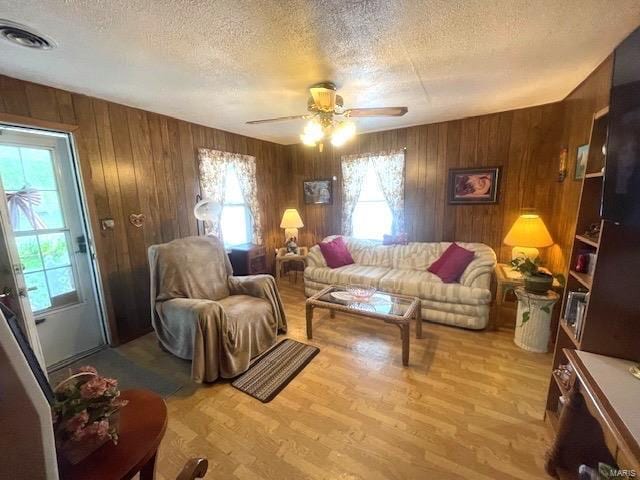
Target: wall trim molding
x=31, y=122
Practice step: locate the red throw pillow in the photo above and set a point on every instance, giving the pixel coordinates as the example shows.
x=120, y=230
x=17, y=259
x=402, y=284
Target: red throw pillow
x=400, y=239
x=335, y=253
x=452, y=263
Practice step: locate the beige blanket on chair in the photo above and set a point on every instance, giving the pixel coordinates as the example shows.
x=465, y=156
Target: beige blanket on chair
x=203, y=313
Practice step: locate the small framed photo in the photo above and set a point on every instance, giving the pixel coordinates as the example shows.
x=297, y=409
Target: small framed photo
x=473, y=185
x=581, y=162
x=319, y=192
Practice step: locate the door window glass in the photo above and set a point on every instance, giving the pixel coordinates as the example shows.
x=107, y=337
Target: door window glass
x=36, y=216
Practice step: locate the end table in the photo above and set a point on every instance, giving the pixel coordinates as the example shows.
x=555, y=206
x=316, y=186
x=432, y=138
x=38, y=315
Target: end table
x=282, y=258
x=143, y=422
x=508, y=279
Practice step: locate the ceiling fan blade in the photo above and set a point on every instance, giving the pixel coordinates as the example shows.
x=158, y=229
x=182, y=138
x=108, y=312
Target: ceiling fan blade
x=377, y=112
x=277, y=119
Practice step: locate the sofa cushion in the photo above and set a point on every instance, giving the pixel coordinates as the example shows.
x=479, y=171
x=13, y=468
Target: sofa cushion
x=427, y=286
x=335, y=253
x=364, y=274
x=367, y=252
x=452, y=263
x=415, y=255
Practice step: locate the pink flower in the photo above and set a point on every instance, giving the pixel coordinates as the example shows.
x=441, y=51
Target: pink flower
x=112, y=383
x=94, y=388
x=87, y=369
x=76, y=422
x=98, y=430
x=117, y=403
x=103, y=428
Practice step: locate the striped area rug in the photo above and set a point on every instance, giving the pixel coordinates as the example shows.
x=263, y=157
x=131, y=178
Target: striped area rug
x=275, y=369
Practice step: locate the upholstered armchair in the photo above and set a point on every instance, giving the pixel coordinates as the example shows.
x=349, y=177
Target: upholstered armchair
x=202, y=313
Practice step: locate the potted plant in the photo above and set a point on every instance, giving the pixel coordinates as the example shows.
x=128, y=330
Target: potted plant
x=85, y=413
x=535, y=280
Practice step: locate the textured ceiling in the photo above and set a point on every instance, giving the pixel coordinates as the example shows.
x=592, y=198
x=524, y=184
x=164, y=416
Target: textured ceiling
x=221, y=63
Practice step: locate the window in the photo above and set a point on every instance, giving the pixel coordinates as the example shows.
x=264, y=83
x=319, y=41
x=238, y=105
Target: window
x=372, y=216
x=229, y=179
x=42, y=236
x=236, y=216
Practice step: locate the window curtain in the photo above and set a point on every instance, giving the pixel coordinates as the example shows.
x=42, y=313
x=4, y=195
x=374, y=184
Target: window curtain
x=390, y=171
x=246, y=170
x=389, y=168
x=213, y=172
x=354, y=169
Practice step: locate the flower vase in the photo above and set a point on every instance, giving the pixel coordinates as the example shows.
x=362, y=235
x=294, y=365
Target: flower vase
x=75, y=451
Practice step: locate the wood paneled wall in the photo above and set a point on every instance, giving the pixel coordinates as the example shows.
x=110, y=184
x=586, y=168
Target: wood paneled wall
x=589, y=97
x=134, y=161
x=525, y=143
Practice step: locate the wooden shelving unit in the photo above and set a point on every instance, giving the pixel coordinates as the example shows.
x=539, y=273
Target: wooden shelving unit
x=582, y=278
x=611, y=323
x=588, y=241
x=594, y=175
x=570, y=332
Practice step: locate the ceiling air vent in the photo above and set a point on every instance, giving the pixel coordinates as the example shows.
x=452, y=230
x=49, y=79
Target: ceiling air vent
x=21, y=35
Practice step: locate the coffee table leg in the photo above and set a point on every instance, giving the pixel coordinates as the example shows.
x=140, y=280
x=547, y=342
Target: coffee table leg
x=405, y=330
x=419, y=322
x=309, y=310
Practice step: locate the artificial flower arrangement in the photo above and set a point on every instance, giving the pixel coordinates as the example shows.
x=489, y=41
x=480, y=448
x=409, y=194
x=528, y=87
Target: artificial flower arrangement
x=85, y=413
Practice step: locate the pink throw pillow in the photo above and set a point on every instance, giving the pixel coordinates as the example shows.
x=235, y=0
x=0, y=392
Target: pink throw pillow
x=452, y=263
x=335, y=253
x=400, y=239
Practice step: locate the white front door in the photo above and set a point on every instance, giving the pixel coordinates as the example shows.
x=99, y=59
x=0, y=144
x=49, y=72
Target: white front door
x=43, y=221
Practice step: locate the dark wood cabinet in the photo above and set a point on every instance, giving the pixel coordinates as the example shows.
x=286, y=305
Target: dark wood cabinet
x=248, y=259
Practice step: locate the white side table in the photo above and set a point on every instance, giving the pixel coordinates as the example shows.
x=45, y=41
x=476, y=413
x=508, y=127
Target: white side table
x=533, y=320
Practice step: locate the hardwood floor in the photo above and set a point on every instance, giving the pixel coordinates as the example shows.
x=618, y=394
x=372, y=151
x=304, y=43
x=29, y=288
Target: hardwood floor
x=469, y=405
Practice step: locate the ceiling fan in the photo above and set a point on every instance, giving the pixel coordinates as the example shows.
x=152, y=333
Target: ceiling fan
x=328, y=118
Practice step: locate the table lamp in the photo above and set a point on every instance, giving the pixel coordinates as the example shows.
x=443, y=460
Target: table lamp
x=291, y=222
x=527, y=234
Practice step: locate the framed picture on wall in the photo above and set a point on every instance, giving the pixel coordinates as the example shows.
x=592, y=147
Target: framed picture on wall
x=319, y=192
x=473, y=185
x=581, y=162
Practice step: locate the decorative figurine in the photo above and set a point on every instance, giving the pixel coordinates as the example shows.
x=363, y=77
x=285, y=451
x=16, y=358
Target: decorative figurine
x=292, y=246
x=582, y=263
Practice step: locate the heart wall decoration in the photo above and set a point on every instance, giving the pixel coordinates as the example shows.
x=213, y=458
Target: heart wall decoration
x=137, y=219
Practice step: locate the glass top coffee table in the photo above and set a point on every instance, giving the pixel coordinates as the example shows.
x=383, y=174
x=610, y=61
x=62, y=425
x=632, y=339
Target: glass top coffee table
x=390, y=308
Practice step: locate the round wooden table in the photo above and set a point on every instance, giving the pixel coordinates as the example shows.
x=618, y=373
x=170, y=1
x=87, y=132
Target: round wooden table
x=143, y=422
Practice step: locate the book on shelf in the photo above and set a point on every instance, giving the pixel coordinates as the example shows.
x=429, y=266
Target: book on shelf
x=581, y=308
x=591, y=264
x=571, y=307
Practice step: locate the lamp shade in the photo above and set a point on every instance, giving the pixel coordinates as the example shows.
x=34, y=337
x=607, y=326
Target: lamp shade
x=291, y=219
x=528, y=231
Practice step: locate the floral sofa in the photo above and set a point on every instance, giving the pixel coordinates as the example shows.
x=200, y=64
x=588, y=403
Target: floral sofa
x=402, y=269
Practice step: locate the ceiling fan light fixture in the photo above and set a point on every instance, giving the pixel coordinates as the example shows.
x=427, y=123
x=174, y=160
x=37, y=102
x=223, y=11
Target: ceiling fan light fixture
x=329, y=119
x=343, y=132
x=313, y=131
x=307, y=140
